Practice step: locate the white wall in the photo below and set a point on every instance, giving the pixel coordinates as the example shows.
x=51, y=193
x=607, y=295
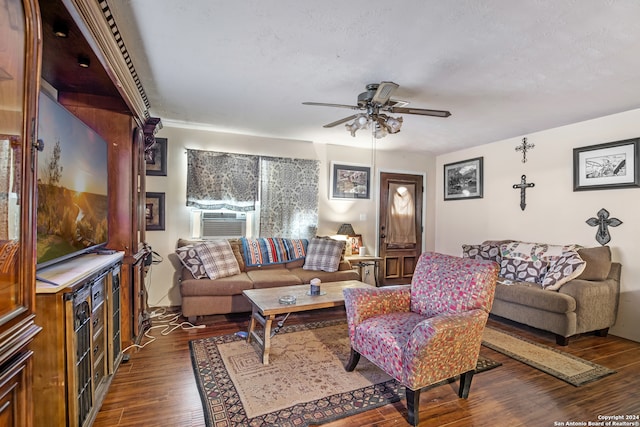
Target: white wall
x=162, y=281
x=554, y=212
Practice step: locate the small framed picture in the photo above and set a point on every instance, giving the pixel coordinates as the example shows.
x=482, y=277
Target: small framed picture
x=606, y=166
x=463, y=180
x=155, y=158
x=355, y=242
x=350, y=181
x=154, y=211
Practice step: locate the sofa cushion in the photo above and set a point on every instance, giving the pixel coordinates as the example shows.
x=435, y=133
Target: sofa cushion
x=305, y=276
x=190, y=259
x=484, y=252
x=218, y=258
x=561, y=270
x=236, y=247
x=270, y=278
x=523, y=271
x=598, y=263
x=532, y=295
x=324, y=254
x=231, y=285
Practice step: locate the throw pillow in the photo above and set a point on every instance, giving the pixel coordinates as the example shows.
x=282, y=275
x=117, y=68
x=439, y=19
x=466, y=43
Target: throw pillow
x=218, y=258
x=598, y=263
x=324, y=254
x=523, y=271
x=190, y=259
x=561, y=270
x=482, y=252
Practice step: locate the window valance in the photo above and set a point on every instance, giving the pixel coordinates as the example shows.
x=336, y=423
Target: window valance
x=222, y=180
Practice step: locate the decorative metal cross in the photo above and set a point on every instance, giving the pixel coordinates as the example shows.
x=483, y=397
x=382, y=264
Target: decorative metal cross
x=603, y=222
x=524, y=148
x=523, y=188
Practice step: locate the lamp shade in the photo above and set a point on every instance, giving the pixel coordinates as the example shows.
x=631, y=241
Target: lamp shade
x=346, y=230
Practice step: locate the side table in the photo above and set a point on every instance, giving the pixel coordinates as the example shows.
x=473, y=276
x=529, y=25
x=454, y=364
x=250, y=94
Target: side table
x=365, y=261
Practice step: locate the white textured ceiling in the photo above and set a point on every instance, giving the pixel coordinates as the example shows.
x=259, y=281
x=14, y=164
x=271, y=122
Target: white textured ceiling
x=503, y=68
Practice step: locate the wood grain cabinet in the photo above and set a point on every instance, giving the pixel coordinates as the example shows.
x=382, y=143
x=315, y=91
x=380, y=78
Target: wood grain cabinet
x=79, y=348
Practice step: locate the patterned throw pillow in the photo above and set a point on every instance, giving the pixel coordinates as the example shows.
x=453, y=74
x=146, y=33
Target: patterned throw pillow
x=218, y=258
x=324, y=254
x=482, y=252
x=190, y=259
x=561, y=270
x=523, y=271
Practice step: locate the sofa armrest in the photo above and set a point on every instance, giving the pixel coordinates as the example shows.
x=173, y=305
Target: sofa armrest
x=596, y=301
x=363, y=303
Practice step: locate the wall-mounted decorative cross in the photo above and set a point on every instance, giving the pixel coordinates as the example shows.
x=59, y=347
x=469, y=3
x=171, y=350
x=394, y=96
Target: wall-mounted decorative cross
x=524, y=147
x=523, y=188
x=603, y=222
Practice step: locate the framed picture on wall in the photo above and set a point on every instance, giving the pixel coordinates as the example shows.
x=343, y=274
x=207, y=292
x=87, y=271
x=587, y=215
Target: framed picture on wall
x=350, y=181
x=463, y=180
x=606, y=166
x=154, y=211
x=155, y=158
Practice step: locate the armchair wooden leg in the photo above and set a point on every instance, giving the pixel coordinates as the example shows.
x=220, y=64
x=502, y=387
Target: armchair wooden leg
x=354, y=358
x=413, y=406
x=465, y=384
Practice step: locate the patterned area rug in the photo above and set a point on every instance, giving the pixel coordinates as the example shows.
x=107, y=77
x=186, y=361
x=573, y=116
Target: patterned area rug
x=305, y=381
x=569, y=368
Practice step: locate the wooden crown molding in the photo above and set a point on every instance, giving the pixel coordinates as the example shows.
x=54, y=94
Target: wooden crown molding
x=98, y=25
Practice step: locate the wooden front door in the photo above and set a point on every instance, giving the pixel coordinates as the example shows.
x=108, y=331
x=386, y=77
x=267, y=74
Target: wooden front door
x=400, y=226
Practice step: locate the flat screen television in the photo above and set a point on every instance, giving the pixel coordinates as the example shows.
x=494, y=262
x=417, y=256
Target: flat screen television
x=72, y=205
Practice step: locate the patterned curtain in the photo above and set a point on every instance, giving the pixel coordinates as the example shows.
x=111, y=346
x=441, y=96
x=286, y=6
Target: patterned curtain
x=222, y=180
x=289, y=197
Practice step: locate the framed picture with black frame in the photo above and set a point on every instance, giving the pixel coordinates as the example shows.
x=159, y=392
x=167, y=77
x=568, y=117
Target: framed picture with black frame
x=607, y=166
x=155, y=158
x=463, y=180
x=350, y=181
x=154, y=211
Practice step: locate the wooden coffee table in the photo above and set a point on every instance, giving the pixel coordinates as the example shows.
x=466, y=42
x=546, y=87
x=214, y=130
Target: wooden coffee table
x=266, y=306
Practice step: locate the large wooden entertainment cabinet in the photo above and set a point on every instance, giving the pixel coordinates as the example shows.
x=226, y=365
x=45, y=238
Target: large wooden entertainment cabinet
x=41, y=42
x=79, y=309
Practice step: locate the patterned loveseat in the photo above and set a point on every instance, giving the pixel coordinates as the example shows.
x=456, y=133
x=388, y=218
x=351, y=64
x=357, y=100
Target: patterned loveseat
x=215, y=272
x=563, y=289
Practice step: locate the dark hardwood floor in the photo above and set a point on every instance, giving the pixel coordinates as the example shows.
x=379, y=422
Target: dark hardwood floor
x=156, y=387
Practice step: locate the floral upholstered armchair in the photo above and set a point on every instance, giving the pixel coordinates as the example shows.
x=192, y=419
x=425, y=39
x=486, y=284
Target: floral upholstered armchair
x=428, y=331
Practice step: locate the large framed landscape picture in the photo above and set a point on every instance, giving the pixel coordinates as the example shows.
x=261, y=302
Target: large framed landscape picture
x=606, y=166
x=463, y=180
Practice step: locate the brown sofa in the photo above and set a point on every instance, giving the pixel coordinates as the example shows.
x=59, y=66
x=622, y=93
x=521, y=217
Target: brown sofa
x=201, y=297
x=586, y=303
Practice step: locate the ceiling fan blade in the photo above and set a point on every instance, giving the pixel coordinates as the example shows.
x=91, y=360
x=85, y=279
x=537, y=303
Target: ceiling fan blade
x=382, y=95
x=419, y=111
x=322, y=104
x=338, y=122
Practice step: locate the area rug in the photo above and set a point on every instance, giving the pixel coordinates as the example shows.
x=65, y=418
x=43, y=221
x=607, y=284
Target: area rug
x=304, y=382
x=562, y=365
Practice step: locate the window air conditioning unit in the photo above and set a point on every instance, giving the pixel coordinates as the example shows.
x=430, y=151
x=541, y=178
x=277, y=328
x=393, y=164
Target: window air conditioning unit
x=223, y=224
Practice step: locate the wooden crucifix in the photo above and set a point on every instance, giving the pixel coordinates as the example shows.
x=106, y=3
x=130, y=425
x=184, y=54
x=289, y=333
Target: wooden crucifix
x=523, y=188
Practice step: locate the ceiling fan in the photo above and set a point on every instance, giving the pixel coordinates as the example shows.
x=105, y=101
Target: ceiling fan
x=373, y=104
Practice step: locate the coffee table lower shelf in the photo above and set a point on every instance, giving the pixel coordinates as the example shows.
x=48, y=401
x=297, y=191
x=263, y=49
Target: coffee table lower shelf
x=266, y=306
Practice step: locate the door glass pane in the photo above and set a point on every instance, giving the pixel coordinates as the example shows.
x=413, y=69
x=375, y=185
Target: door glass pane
x=12, y=69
